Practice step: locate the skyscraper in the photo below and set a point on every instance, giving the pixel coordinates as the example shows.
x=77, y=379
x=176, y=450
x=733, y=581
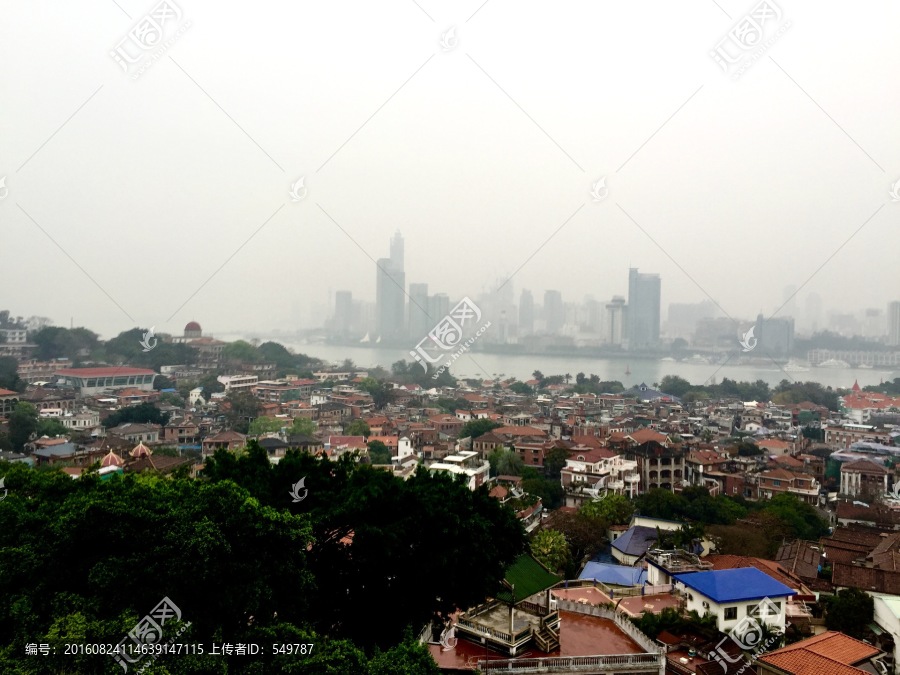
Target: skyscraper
x=894, y=323
x=643, y=310
x=390, y=294
x=554, y=311
x=526, y=313
x=343, y=312
x=615, y=320
x=419, y=320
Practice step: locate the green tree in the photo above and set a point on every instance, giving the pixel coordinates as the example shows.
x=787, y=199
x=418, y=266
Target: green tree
x=675, y=385
x=659, y=503
x=612, y=509
x=23, y=423
x=358, y=427
x=50, y=427
x=144, y=413
x=303, y=426
x=549, y=547
x=381, y=392
x=410, y=657
x=475, y=428
x=549, y=490
x=241, y=351
x=850, y=612
x=379, y=453
x=521, y=388
x=242, y=407
x=505, y=462
x=9, y=374
x=555, y=461
x=264, y=425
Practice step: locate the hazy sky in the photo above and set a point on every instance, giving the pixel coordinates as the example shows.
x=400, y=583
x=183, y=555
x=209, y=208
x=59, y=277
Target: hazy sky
x=479, y=153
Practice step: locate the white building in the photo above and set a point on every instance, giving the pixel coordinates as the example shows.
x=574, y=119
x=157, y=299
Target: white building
x=736, y=597
x=238, y=382
x=599, y=471
x=464, y=463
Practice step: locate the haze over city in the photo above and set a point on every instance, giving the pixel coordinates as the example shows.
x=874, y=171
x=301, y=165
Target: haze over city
x=172, y=191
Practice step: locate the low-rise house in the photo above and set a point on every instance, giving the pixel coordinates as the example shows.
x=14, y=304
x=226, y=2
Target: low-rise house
x=224, y=440
x=136, y=432
x=864, y=477
x=731, y=595
x=8, y=401
x=464, y=463
x=781, y=481
x=830, y=653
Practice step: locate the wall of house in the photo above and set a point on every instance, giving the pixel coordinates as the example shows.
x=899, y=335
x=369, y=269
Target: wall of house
x=695, y=601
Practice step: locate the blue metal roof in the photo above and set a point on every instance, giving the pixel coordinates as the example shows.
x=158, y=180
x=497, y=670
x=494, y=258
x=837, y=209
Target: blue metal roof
x=636, y=540
x=744, y=583
x=619, y=575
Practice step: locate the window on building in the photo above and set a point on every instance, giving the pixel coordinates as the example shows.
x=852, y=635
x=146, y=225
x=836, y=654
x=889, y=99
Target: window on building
x=730, y=613
x=777, y=483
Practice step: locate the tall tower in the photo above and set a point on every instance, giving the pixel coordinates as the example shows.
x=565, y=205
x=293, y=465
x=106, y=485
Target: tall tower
x=420, y=320
x=643, y=310
x=390, y=294
x=526, y=313
x=554, y=311
x=615, y=320
x=893, y=318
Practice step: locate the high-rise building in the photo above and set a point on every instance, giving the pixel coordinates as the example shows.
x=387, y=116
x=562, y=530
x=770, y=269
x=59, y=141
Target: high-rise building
x=684, y=317
x=776, y=335
x=397, y=250
x=643, y=310
x=526, y=313
x=420, y=319
x=438, y=308
x=894, y=324
x=343, y=312
x=390, y=294
x=615, y=321
x=554, y=311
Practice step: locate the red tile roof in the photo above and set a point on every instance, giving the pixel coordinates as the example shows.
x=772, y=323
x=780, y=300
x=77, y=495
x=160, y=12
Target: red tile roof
x=7, y=392
x=830, y=652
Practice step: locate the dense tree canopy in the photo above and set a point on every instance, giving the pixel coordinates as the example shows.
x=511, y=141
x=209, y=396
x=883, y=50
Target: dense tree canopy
x=82, y=561
x=439, y=520
x=475, y=428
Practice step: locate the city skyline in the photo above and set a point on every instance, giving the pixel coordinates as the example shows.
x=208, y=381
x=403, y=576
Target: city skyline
x=635, y=323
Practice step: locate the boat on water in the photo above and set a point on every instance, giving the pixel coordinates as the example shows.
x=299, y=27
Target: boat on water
x=834, y=363
x=792, y=367
x=866, y=366
x=667, y=359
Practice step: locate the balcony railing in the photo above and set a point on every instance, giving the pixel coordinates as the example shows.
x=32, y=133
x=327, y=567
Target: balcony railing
x=569, y=664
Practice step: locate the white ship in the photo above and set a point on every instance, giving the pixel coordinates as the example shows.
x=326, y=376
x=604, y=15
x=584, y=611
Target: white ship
x=834, y=363
x=792, y=367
